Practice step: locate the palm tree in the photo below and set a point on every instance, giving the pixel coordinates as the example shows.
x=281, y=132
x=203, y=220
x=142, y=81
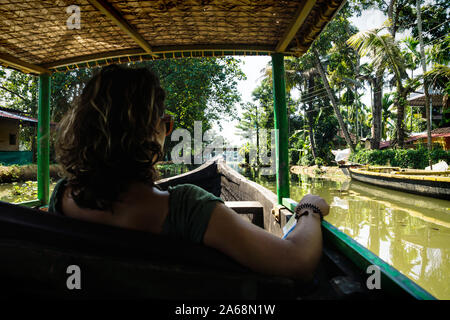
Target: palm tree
x=332, y=98
x=385, y=53
x=387, y=122
x=375, y=80
x=301, y=74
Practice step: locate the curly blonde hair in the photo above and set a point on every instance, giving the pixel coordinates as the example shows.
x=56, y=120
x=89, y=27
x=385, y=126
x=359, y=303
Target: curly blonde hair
x=107, y=140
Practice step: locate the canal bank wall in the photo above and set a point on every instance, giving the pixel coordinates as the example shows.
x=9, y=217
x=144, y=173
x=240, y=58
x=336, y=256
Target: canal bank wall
x=16, y=173
x=333, y=171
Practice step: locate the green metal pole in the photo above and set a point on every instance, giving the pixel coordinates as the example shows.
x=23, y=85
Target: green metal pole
x=43, y=139
x=281, y=127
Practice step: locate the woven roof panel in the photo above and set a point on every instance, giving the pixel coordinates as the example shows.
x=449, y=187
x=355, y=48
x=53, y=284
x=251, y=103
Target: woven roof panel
x=165, y=23
x=35, y=32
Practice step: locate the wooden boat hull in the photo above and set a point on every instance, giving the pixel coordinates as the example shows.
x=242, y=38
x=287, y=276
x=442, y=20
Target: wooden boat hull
x=342, y=272
x=436, y=187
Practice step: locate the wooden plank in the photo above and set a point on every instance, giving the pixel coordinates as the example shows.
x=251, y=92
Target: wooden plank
x=401, y=175
x=253, y=207
x=300, y=17
x=117, y=18
x=10, y=61
x=30, y=203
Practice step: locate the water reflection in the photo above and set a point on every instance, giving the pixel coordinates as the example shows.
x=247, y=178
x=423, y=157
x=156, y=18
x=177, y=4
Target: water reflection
x=410, y=232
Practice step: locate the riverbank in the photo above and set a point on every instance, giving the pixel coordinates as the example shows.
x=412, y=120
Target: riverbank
x=15, y=173
x=332, y=172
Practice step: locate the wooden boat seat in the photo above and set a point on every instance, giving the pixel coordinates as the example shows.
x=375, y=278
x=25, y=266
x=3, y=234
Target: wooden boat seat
x=36, y=248
x=252, y=211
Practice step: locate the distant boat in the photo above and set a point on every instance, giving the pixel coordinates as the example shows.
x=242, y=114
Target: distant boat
x=434, y=184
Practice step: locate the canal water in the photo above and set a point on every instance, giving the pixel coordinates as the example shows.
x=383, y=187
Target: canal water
x=410, y=232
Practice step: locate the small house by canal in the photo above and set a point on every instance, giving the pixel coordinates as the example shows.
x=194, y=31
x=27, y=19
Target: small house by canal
x=10, y=123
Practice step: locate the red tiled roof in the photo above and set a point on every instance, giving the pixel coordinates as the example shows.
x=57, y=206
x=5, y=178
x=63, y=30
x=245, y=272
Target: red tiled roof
x=384, y=144
x=340, y=133
x=439, y=132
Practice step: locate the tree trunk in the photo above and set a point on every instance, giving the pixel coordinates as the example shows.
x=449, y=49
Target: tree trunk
x=377, y=84
x=425, y=83
x=401, y=102
x=393, y=18
x=332, y=99
x=356, y=96
x=309, y=116
x=257, y=136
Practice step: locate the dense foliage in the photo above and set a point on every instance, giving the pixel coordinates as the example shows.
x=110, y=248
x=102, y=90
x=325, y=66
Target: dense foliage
x=343, y=64
x=196, y=90
x=404, y=158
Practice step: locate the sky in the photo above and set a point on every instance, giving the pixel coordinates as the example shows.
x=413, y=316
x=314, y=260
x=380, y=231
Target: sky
x=252, y=67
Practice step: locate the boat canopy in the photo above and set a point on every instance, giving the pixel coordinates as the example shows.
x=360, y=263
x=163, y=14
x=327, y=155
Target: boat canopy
x=44, y=36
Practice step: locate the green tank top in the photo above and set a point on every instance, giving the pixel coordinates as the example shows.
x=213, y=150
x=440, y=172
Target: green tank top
x=190, y=209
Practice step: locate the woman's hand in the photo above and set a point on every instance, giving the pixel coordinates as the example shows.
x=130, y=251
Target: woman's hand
x=317, y=201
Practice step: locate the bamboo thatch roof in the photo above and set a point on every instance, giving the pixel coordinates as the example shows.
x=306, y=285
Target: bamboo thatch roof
x=34, y=36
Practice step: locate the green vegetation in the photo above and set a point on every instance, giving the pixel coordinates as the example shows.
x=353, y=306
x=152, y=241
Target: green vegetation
x=409, y=158
x=166, y=170
x=331, y=78
x=324, y=87
x=16, y=173
x=24, y=191
x=196, y=90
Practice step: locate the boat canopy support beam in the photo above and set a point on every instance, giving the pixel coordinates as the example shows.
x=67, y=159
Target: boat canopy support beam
x=9, y=61
x=43, y=140
x=281, y=127
x=300, y=17
x=109, y=11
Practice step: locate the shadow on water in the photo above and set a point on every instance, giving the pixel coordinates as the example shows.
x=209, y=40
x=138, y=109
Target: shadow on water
x=408, y=231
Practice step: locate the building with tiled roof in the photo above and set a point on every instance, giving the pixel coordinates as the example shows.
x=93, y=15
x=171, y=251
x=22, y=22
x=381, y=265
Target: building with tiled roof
x=440, y=136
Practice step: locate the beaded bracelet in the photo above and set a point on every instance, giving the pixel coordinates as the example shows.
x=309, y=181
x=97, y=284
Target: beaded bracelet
x=307, y=206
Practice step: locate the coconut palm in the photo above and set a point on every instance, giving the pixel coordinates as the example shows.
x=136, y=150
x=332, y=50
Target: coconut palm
x=386, y=54
x=387, y=120
x=375, y=79
x=332, y=98
x=301, y=75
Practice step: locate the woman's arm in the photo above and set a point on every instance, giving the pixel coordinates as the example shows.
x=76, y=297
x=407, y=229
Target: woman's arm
x=296, y=256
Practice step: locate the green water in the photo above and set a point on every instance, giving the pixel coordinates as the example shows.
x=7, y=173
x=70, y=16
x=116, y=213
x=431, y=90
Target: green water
x=410, y=232
x=20, y=191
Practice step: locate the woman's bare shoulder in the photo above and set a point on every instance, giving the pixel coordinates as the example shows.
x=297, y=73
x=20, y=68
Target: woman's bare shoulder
x=142, y=207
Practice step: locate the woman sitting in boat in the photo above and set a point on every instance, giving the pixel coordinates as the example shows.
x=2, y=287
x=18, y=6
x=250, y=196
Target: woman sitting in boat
x=108, y=145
